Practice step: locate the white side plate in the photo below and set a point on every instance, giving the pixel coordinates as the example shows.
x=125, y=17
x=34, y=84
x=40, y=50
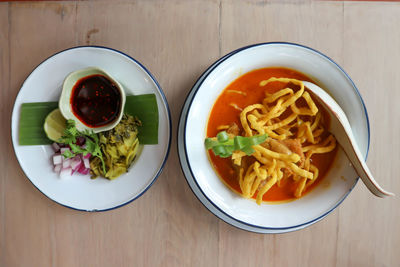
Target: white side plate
x=80, y=192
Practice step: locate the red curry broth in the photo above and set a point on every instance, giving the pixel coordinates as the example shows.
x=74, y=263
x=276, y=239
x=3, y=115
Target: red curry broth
x=223, y=113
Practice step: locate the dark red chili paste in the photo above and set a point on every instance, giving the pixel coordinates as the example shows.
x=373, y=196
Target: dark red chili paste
x=95, y=100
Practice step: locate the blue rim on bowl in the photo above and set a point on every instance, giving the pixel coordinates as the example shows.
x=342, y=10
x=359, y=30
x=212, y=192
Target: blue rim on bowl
x=164, y=100
x=192, y=95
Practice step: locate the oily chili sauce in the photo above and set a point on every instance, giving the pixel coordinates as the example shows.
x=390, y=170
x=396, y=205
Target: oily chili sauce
x=223, y=113
x=95, y=100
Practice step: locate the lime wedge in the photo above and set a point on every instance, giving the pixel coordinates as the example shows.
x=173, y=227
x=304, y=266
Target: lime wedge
x=54, y=125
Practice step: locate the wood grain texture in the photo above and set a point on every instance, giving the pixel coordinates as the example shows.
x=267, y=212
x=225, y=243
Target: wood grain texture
x=4, y=120
x=35, y=32
x=371, y=56
x=176, y=40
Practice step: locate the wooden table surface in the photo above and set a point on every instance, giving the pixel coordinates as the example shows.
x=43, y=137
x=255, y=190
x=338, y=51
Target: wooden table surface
x=177, y=40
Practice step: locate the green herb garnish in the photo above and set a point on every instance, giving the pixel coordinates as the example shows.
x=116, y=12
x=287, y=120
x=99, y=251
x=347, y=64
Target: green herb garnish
x=223, y=146
x=92, y=144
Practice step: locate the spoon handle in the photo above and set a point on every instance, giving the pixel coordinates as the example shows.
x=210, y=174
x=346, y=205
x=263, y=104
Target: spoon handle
x=341, y=129
x=354, y=155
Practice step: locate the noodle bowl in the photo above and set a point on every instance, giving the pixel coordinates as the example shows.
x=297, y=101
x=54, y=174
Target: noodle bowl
x=321, y=197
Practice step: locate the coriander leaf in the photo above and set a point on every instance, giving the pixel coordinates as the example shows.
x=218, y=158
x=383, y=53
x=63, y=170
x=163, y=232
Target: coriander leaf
x=90, y=146
x=73, y=132
x=70, y=123
x=77, y=149
x=70, y=133
x=68, y=154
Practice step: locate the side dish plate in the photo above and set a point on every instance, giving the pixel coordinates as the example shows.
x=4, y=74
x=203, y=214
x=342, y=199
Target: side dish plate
x=80, y=192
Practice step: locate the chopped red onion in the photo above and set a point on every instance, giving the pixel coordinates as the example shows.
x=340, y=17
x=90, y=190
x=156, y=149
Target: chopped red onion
x=67, y=166
x=88, y=155
x=83, y=170
x=56, y=147
x=66, y=163
x=57, y=159
x=75, y=163
x=86, y=163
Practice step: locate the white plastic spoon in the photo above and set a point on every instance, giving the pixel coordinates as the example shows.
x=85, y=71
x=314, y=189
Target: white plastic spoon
x=340, y=128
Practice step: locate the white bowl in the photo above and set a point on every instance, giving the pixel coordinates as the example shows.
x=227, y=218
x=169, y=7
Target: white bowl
x=191, y=181
x=80, y=192
x=278, y=217
x=65, y=103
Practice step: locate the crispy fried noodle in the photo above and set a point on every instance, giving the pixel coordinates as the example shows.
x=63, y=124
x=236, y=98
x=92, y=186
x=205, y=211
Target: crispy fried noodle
x=295, y=133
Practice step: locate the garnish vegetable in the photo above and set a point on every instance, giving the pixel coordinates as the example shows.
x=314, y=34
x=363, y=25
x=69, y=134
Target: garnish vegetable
x=92, y=145
x=224, y=146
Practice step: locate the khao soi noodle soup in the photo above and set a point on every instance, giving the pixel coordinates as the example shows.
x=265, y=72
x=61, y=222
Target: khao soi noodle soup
x=268, y=138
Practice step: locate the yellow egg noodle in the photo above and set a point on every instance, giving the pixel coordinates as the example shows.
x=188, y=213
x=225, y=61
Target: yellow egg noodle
x=272, y=163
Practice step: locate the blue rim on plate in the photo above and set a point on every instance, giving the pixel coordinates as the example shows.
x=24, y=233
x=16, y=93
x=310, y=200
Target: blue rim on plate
x=192, y=95
x=164, y=101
